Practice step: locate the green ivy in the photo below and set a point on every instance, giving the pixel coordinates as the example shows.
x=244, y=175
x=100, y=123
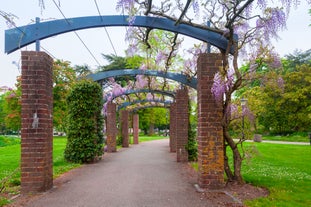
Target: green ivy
x=85, y=123
x=192, y=145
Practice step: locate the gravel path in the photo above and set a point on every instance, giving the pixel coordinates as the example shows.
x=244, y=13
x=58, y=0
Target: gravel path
x=143, y=175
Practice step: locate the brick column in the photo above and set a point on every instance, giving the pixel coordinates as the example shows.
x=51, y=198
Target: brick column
x=173, y=127
x=135, y=128
x=111, y=127
x=37, y=122
x=182, y=118
x=125, y=128
x=210, y=134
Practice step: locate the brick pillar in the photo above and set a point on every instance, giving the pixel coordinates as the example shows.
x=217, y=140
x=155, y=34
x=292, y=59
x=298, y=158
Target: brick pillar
x=173, y=127
x=111, y=127
x=125, y=128
x=135, y=128
x=37, y=122
x=210, y=134
x=182, y=118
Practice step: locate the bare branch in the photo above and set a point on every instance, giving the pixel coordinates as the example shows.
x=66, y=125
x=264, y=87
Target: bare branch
x=183, y=12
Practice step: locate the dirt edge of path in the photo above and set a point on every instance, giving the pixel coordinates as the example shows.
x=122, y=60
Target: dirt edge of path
x=231, y=195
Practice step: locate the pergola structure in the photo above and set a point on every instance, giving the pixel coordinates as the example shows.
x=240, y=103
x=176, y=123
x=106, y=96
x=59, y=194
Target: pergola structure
x=37, y=99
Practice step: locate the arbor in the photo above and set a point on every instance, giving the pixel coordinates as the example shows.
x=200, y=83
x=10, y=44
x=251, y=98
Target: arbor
x=254, y=27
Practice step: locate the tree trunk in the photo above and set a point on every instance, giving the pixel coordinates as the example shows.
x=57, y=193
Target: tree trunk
x=227, y=166
x=237, y=162
x=151, y=129
x=235, y=174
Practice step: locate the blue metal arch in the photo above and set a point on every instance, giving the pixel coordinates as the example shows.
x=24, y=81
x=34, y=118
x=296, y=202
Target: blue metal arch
x=189, y=81
x=126, y=104
x=19, y=37
x=144, y=90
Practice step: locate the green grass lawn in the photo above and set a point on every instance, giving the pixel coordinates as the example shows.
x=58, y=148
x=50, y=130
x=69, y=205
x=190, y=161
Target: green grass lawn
x=144, y=138
x=10, y=157
x=283, y=169
x=290, y=138
x=10, y=162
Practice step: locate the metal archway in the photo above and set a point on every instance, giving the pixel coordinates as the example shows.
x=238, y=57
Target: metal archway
x=189, y=81
x=144, y=90
x=19, y=37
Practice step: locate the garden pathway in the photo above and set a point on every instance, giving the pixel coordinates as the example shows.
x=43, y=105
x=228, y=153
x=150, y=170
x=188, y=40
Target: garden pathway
x=142, y=175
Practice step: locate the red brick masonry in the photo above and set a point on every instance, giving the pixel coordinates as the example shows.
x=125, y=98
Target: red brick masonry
x=182, y=118
x=210, y=135
x=37, y=122
x=111, y=127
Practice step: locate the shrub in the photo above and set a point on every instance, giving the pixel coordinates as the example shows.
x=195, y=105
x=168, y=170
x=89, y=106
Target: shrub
x=192, y=146
x=85, y=123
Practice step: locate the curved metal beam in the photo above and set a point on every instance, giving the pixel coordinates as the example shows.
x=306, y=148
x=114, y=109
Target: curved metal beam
x=19, y=37
x=144, y=90
x=126, y=104
x=189, y=81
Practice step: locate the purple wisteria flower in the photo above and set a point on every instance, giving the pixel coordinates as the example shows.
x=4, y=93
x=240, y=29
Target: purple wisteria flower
x=132, y=50
x=248, y=113
x=275, y=60
x=232, y=111
x=149, y=97
x=117, y=90
x=141, y=82
x=219, y=87
x=280, y=82
x=196, y=7
x=274, y=23
x=143, y=67
x=161, y=56
x=222, y=84
x=124, y=5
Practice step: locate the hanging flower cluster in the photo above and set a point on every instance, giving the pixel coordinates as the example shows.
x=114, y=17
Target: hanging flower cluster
x=222, y=84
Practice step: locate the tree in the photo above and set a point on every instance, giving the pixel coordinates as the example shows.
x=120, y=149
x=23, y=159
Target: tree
x=63, y=78
x=12, y=108
x=151, y=118
x=82, y=70
x=2, y=114
x=254, y=27
x=281, y=99
x=85, y=123
x=118, y=62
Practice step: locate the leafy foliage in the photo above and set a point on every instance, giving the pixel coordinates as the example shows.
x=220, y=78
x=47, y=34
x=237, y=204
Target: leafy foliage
x=153, y=117
x=63, y=77
x=192, y=145
x=12, y=108
x=85, y=122
x=281, y=101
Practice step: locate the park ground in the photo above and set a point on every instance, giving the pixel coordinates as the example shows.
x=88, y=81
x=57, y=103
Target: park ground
x=282, y=170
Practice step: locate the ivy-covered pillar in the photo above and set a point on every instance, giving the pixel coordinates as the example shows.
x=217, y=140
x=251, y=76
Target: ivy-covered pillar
x=37, y=122
x=173, y=127
x=125, y=128
x=135, y=128
x=210, y=133
x=182, y=118
x=111, y=127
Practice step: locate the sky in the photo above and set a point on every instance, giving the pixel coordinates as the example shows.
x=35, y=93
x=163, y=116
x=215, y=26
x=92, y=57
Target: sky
x=68, y=47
